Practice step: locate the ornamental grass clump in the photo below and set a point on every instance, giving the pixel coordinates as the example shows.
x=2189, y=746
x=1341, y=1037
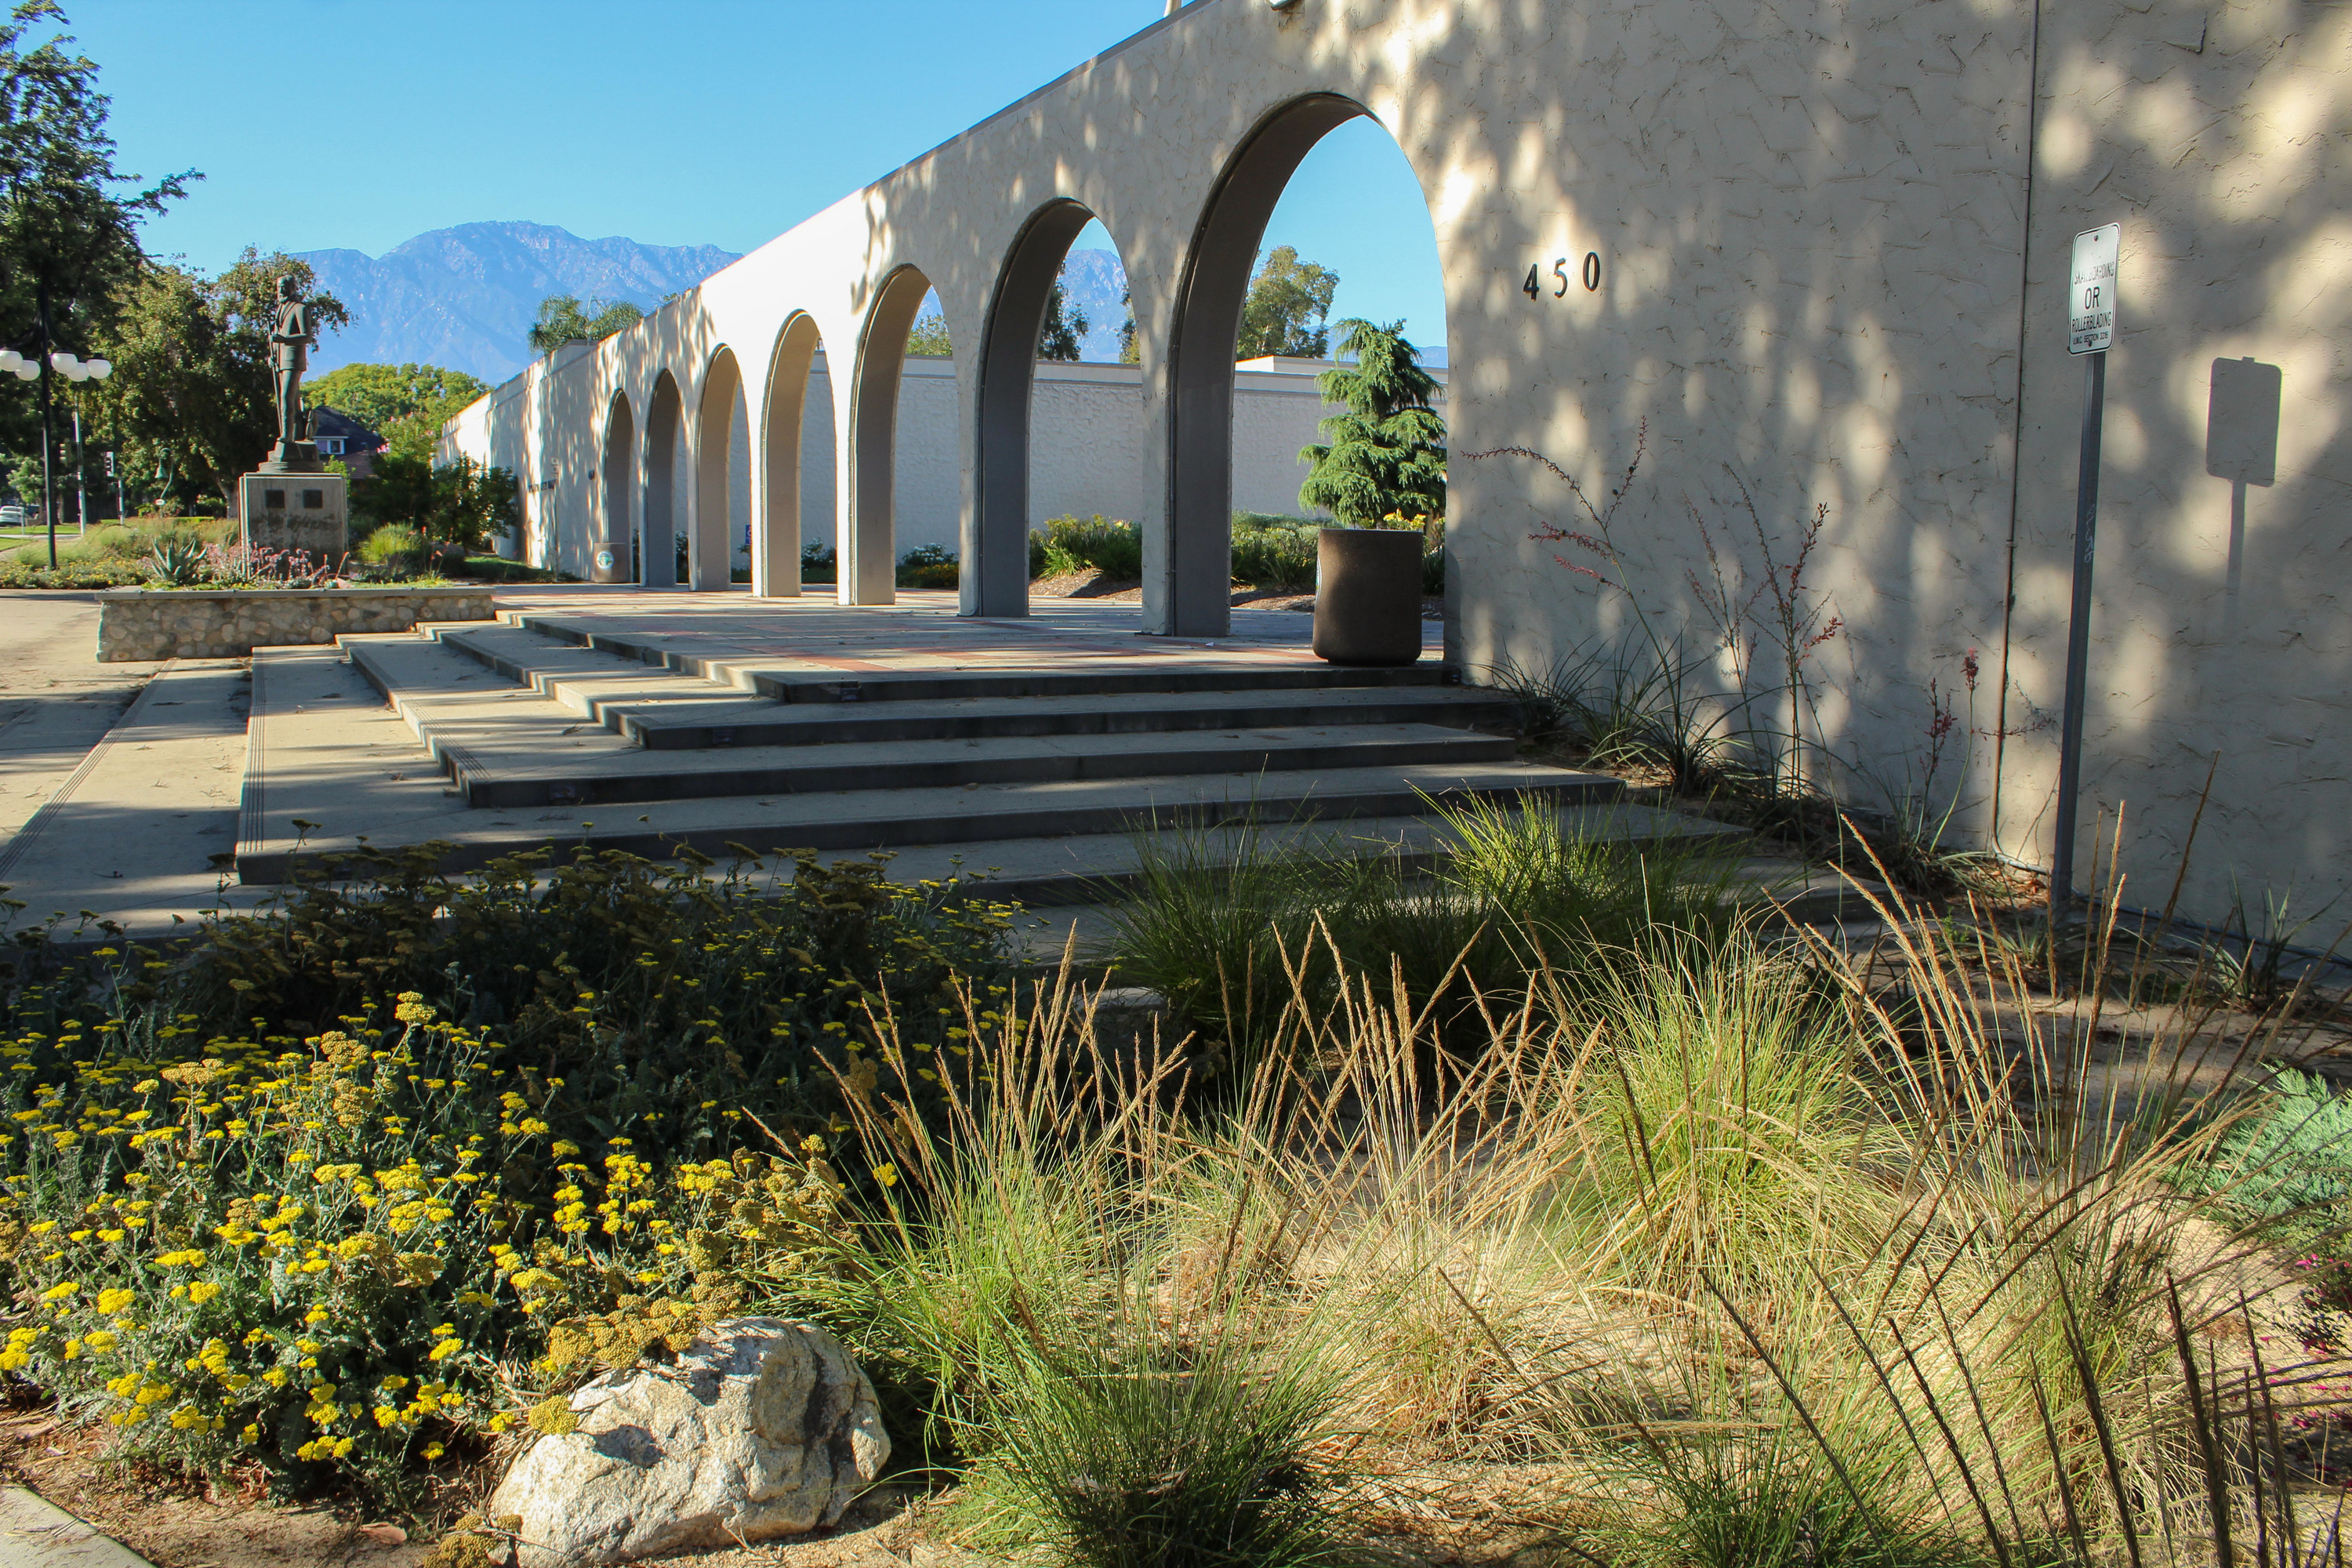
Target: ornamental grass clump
x=1745, y=1251
x=1231, y=923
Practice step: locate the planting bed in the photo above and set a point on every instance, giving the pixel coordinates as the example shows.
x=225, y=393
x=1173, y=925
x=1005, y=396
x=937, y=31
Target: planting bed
x=139, y=625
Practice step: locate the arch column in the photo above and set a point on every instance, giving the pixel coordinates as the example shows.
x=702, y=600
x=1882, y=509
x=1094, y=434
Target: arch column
x=866, y=541
x=711, y=550
x=617, y=522
x=1194, y=562
x=995, y=543
x=776, y=473
x=657, y=525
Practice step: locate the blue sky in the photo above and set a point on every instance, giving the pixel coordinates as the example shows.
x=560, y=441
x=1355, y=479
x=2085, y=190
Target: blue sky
x=693, y=121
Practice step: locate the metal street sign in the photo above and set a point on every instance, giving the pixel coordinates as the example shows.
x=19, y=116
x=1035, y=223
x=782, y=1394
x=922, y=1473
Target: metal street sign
x=2090, y=328
x=2090, y=304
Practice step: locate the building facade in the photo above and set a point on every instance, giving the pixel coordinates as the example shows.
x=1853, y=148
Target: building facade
x=1807, y=262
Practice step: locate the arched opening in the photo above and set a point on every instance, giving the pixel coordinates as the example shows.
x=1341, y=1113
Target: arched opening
x=868, y=559
x=996, y=580
x=657, y=549
x=1190, y=594
x=779, y=530
x=617, y=526
x=711, y=554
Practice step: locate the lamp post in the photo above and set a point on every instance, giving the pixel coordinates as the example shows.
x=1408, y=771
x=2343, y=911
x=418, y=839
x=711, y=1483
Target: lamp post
x=46, y=363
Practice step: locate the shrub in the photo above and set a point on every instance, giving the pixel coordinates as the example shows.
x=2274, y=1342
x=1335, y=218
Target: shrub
x=299, y=1189
x=1272, y=552
x=395, y=545
x=1097, y=543
x=72, y=575
x=317, y=1256
x=462, y=503
x=2288, y=1152
x=817, y=564
x=928, y=566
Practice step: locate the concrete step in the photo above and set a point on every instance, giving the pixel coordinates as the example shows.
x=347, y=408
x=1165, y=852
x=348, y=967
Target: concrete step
x=663, y=709
x=504, y=752
x=796, y=679
x=885, y=819
x=1100, y=867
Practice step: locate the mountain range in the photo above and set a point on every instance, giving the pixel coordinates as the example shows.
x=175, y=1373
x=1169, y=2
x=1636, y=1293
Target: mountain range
x=465, y=298
x=1094, y=282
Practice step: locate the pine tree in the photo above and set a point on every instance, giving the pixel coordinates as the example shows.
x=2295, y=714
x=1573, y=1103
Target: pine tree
x=1387, y=453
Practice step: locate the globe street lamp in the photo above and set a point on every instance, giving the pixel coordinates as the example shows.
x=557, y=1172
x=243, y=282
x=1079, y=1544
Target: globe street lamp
x=44, y=365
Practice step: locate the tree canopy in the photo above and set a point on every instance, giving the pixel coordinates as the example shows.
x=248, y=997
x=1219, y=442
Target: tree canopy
x=69, y=227
x=1284, y=313
x=192, y=395
x=1064, y=333
x=461, y=503
x=1387, y=451
x=377, y=394
x=562, y=318
x=929, y=337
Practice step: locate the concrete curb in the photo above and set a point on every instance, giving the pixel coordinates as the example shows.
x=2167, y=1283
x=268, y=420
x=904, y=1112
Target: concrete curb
x=37, y=1533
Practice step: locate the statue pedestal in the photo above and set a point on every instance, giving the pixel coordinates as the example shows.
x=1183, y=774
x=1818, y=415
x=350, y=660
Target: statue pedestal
x=296, y=511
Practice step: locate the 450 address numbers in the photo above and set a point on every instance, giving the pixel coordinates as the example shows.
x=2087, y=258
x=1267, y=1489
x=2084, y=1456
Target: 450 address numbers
x=1589, y=274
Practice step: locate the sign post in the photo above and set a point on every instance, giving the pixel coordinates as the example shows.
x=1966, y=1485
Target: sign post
x=2090, y=328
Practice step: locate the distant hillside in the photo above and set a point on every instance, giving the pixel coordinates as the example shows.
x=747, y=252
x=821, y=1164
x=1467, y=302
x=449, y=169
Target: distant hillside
x=466, y=297
x=1094, y=280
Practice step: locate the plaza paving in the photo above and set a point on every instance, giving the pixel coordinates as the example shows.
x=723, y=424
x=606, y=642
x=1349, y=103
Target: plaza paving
x=128, y=788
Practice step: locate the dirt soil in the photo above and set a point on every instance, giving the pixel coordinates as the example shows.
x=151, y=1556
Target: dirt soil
x=174, y=1524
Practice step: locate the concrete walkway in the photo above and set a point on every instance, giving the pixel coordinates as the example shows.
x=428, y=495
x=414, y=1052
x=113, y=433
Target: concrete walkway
x=56, y=699
x=34, y=1533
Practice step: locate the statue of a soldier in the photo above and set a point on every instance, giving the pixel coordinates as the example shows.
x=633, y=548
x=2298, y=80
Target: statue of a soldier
x=293, y=334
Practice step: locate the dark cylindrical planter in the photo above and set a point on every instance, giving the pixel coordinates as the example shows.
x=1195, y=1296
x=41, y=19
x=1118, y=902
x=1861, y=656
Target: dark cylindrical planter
x=1367, y=595
x=608, y=562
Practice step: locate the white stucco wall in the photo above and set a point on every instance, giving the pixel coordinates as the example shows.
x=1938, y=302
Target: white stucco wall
x=1086, y=444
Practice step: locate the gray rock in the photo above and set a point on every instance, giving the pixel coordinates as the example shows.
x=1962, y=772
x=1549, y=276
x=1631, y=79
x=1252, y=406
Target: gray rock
x=764, y=1427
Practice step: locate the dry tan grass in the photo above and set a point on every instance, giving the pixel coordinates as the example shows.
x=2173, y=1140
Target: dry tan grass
x=1757, y=1223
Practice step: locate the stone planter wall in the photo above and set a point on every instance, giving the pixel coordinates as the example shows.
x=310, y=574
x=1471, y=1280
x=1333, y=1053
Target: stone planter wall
x=140, y=626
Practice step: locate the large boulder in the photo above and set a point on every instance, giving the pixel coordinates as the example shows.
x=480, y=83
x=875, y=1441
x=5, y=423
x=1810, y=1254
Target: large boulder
x=761, y=1427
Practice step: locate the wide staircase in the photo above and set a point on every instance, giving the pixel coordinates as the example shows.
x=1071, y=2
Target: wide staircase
x=1040, y=777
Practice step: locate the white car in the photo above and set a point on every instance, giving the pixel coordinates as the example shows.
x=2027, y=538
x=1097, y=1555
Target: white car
x=12, y=517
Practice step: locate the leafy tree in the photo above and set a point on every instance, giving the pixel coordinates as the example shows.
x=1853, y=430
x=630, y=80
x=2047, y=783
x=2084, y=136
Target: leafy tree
x=1065, y=327
x=929, y=338
x=461, y=503
x=1284, y=313
x=377, y=394
x=68, y=229
x=1387, y=452
x=562, y=318
x=22, y=478
x=1127, y=352
x=191, y=391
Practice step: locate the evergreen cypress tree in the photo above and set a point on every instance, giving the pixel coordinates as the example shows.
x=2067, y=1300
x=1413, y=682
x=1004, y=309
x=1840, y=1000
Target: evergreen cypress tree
x=1387, y=452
